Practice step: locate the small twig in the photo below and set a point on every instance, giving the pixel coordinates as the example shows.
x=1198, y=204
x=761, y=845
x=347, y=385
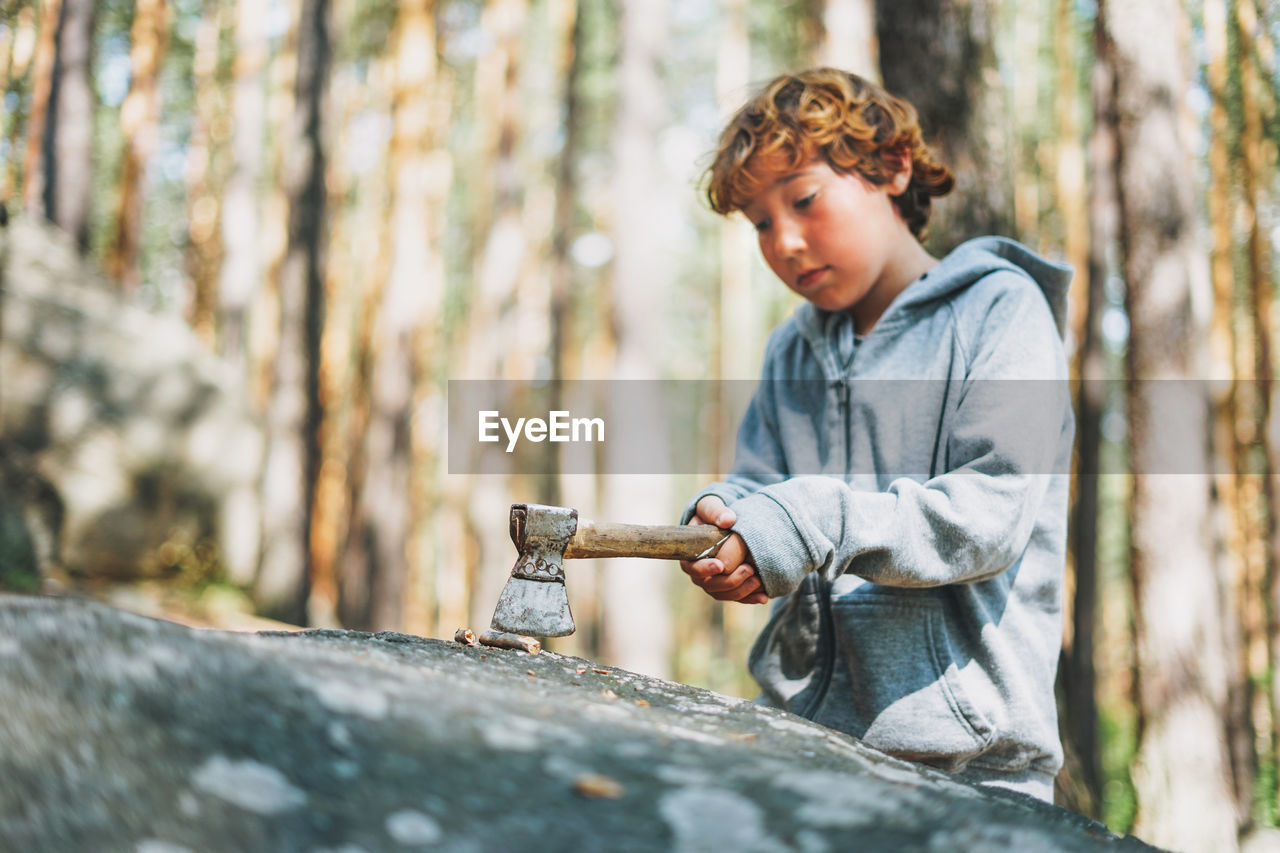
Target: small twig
x=597, y=786
x=466, y=637
x=503, y=640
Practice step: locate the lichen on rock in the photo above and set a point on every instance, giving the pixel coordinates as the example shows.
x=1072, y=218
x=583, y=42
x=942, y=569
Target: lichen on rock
x=127, y=733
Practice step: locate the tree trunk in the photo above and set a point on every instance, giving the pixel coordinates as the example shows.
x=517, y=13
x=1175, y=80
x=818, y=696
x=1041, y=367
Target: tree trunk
x=69, y=137
x=636, y=617
x=139, y=115
x=1095, y=204
x=1257, y=172
x=18, y=55
x=203, y=210
x=294, y=412
x=357, y=269
x=381, y=526
x=560, y=263
x=940, y=55
x=849, y=37
x=701, y=623
x=241, y=273
x=1182, y=773
x=493, y=338
x=7, y=44
x=1237, y=489
x=1024, y=106
x=37, y=155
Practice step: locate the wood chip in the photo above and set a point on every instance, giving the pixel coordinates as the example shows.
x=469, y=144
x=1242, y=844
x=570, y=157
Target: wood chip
x=643, y=703
x=466, y=637
x=597, y=786
x=503, y=640
x=740, y=736
x=600, y=671
x=608, y=694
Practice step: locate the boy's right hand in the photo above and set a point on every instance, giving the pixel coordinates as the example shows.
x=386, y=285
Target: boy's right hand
x=728, y=576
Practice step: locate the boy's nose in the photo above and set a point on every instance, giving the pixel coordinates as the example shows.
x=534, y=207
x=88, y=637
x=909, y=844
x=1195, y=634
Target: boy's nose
x=788, y=241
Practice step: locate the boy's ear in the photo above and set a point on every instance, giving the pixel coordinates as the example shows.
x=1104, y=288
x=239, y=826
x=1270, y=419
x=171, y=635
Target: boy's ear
x=902, y=177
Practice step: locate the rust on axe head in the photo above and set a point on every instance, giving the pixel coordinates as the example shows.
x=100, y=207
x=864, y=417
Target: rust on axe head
x=534, y=601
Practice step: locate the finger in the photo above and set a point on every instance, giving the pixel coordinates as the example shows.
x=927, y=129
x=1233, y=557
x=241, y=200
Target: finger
x=730, y=580
x=712, y=510
x=733, y=552
x=703, y=570
x=743, y=590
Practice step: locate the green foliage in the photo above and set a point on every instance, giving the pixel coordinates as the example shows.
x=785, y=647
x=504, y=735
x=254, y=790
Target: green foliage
x=1266, y=785
x=366, y=33
x=781, y=35
x=9, y=9
x=164, y=218
x=1119, y=731
x=19, y=568
x=189, y=563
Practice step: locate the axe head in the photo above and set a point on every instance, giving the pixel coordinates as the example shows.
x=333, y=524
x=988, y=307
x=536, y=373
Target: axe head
x=534, y=601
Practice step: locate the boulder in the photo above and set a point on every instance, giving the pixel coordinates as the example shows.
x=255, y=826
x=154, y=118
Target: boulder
x=121, y=732
x=141, y=435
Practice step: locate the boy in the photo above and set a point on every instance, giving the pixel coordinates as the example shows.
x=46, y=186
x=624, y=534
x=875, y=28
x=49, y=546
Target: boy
x=911, y=532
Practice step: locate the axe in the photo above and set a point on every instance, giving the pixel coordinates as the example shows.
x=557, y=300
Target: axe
x=534, y=601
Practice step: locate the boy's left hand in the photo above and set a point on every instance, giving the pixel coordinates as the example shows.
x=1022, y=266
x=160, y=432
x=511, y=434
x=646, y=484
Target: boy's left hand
x=728, y=576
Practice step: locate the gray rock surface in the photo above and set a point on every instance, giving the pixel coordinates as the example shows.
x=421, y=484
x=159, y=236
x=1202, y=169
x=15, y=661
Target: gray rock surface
x=124, y=733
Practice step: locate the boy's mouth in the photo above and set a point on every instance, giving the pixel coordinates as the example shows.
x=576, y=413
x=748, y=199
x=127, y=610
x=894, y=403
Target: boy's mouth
x=810, y=277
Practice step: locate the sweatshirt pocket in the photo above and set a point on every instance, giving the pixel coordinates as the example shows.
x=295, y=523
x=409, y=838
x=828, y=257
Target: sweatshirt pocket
x=898, y=682
x=788, y=659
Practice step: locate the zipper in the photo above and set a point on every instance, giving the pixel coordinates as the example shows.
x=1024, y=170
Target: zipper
x=848, y=424
x=827, y=649
x=826, y=619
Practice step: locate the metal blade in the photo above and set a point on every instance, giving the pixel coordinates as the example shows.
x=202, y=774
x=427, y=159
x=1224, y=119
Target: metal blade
x=535, y=608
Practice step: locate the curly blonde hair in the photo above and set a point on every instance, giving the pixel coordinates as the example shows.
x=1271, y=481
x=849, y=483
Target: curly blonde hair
x=853, y=124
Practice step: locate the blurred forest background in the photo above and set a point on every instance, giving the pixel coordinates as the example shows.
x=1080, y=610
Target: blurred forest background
x=284, y=225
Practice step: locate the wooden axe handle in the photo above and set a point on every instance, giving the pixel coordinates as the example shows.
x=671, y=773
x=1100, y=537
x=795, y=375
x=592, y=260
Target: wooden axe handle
x=660, y=542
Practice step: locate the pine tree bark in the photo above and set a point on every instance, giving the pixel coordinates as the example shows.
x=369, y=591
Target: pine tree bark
x=560, y=270
x=43, y=64
x=240, y=275
x=1182, y=771
x=68, y=180
x=381, y=527
x=1229, y=342
x=636, y=618
x=940, y=56
x=204, y=213
x=294, y=411
x=849, y=37
x=492, y=337
x=357, y=266
x=735, y=314
x=20, y=41
x=139, y=115
x=1257, y=173
x=7, y=43
x=1078, y=676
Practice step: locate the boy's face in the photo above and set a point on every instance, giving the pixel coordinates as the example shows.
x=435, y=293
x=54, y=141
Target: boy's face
x=831, y=237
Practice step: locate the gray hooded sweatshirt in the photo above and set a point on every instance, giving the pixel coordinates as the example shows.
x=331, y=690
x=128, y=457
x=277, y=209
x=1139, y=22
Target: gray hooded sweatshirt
x=904, y=499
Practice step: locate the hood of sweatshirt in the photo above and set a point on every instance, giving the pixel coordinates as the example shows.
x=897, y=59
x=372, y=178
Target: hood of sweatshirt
x=962, y=267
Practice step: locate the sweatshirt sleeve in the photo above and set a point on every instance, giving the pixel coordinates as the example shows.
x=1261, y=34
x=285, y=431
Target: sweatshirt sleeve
x=971, y=522
x=758, y=456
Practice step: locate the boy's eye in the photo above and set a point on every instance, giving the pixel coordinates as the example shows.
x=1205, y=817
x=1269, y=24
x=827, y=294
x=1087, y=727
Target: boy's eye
x=762, y=225
x=802, y=203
